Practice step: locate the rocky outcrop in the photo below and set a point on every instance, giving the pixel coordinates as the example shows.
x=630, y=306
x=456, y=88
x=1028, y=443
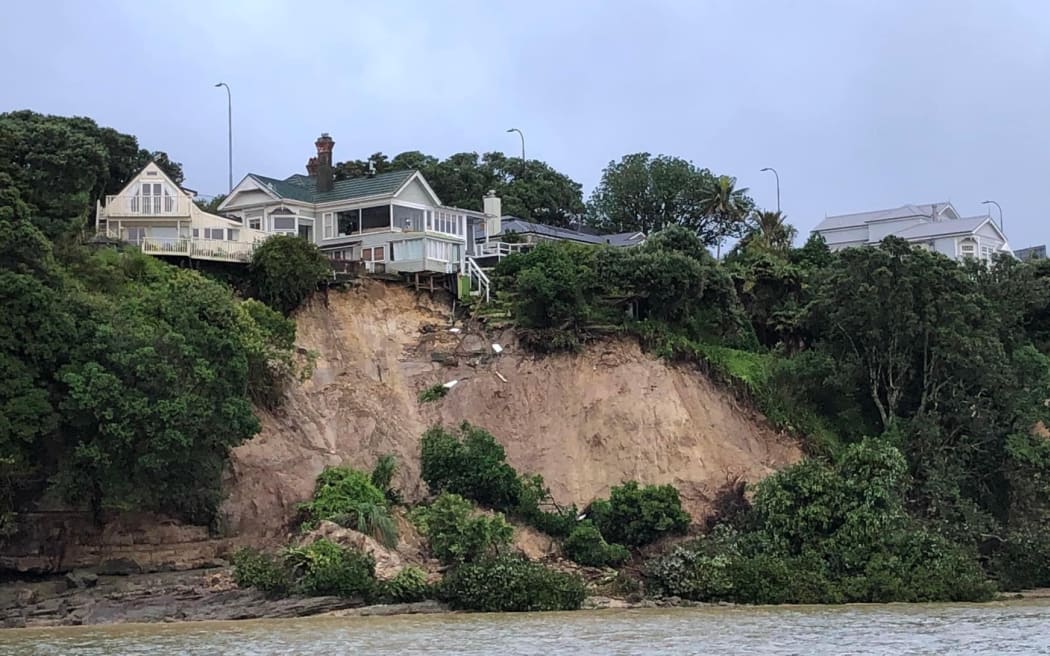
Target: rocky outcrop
x=188, y=596
x=388, y=561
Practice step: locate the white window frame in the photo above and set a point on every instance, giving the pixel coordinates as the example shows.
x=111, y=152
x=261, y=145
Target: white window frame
x=328, y=225
x=292, y=230
x=215, y=233
x=255, y=223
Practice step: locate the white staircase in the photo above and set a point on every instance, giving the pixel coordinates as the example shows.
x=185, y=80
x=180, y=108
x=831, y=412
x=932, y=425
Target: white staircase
x=479, y=280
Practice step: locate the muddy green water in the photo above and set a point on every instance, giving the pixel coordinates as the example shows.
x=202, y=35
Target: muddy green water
x=1011, y=628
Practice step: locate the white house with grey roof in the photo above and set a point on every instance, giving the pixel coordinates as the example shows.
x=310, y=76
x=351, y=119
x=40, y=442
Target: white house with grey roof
x=934, y=226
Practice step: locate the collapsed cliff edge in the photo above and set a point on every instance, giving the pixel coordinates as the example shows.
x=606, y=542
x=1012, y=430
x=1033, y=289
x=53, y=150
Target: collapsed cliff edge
x=585, y=421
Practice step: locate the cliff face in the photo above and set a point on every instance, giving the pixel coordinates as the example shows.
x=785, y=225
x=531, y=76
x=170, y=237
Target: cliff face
x=586, y=422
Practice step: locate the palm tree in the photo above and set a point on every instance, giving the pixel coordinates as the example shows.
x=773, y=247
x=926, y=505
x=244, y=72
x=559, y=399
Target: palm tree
x=728, y=205
x=770, y=232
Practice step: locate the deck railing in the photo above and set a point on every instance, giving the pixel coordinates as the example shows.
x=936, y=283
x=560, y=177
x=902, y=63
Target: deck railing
x=195, y=248
x=500, y=249
x=132, y=205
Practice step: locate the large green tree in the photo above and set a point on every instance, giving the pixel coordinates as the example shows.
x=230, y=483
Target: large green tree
x=646, y=193
x=63, y=165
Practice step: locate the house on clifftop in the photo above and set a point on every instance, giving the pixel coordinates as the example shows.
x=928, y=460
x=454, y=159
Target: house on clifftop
x=391, y=222
x=935, y=227
x=160, y=217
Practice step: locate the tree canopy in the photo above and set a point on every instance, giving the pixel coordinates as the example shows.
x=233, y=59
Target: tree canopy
x=127, y=380
x=534, y=192
x=646, y=193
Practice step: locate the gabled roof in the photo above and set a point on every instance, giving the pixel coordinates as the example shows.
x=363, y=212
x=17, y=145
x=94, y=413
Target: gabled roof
x=862, y=218
x=304, y=188
x=954, y=227
x=514, y=224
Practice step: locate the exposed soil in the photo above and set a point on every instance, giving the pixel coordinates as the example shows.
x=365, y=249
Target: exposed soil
x=586, y=422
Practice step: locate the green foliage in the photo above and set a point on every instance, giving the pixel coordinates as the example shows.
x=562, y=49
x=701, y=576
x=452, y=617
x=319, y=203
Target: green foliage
x=562, y=292
x=254, y=569
x=534, y=192
x=586, y=546
x=534, y=498
x=636, y=515
x=435, y=392
x=285, y=270
x=409, y=585
x=642, y=193
x=469, y=462
x=826, y=534
x=383, y=476
x=511, y=584
x=325, y=568
x=349, y=498
x=457, y=534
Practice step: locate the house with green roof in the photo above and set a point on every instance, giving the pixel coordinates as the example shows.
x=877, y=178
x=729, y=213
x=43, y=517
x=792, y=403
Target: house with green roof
x=393, y=222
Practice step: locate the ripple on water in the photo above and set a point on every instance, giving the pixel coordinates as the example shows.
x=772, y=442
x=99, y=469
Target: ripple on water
x=1014, y=628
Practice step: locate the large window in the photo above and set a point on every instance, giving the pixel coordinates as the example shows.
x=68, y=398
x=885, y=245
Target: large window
x=214, y=233
x=968, y=247
x=411, y=249
x=152, y=198
x=408, y=219
x=446, y=222
x=348, y=223
x=135, y=235
x=283, y=221
x=442, y=251
x=375, y=218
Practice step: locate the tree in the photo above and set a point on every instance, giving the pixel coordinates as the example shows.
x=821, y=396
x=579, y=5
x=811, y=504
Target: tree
x=211, y=206
x=768, y=232
x=155, y=398
x=726, y=206
x=645, y=194
x=285, y=270
x=535, y=192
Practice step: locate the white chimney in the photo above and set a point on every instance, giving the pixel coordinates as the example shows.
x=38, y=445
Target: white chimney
x=493, y=208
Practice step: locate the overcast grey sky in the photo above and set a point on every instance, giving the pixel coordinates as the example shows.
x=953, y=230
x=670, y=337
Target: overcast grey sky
x=859, y=105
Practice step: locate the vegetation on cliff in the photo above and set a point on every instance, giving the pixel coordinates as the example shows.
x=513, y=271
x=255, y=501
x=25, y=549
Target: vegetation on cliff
x=938, y=366
x=127, y=380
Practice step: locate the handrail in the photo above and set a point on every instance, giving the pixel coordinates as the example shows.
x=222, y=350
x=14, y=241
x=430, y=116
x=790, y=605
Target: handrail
x=474, y=271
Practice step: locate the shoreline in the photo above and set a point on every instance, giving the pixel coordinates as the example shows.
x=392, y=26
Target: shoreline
x=208, y=595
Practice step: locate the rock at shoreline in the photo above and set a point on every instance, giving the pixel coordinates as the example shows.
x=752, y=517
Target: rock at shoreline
x=82, y=578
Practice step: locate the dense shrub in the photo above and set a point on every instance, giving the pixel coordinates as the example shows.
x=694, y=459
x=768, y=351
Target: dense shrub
x=409, y=585
x=383, y=476
x=471, y=463
x=1024, y=560
x=325, y=568
x=511, y=583
x=637, y=516
x=435, y=392
x=586, y=546
x=285, y=270
x=254, y=569
x=349, y=498
x=537, y=508
x=456, y=533
x=826, y=534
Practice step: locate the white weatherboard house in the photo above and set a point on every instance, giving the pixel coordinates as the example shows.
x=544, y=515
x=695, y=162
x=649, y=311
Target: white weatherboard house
x=935, y=226
x=161, y=218
x=393, y=222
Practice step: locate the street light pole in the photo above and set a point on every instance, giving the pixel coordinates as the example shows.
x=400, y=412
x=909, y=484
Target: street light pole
x=777, y=175
x=522, y=135
x=992, y=202
x=229, y=131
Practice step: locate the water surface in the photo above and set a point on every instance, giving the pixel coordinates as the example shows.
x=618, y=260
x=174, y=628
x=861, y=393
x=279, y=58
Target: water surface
x=1001, y=628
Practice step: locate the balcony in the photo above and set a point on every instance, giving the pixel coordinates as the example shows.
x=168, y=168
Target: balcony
x=145, y=207
x=219, y=250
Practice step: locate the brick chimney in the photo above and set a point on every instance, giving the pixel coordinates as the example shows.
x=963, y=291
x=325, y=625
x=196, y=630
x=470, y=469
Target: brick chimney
x=311, y=167
x=325, y=174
